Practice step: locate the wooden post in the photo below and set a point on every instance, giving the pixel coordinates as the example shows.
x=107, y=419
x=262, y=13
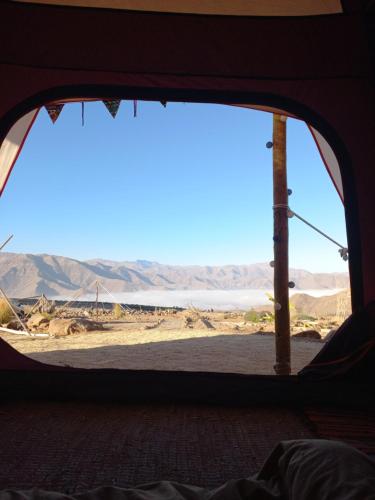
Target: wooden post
x=97, y=298
x=280, y=238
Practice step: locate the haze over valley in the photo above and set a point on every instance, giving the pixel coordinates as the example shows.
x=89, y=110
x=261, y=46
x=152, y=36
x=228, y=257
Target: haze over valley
x=26, y=275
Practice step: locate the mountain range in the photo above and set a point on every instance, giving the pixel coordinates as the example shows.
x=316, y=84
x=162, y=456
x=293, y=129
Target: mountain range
x=25, y=275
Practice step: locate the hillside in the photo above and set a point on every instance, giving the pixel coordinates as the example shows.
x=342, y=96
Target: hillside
x=23, y=275
x=331, y=305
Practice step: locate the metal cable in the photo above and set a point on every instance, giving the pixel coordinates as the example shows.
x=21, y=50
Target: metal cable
x=343, y=250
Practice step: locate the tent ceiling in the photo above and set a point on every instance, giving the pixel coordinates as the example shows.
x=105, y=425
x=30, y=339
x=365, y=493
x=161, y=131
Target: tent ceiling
x=217, y=7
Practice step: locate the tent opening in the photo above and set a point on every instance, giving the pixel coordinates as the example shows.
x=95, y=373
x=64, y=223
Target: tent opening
x=143, y=237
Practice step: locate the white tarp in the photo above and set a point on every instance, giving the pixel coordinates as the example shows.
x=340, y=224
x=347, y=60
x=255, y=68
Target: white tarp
x=330, y=160
x=12, y=145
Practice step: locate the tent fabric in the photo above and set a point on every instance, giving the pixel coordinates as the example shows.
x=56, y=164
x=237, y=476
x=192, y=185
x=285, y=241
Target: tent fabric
x=216, y=7
x=12, y=146
x=11, y=358
x=297, y=469
x=329, y=158
x=350, y=352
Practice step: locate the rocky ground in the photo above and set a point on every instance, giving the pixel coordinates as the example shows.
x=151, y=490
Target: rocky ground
x=164, y=339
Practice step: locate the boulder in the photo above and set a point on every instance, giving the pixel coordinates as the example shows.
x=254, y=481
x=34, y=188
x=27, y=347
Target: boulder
x=308, y=334
x=63, y=327
x=154, y=325
x=37, y=321
x=14, y=324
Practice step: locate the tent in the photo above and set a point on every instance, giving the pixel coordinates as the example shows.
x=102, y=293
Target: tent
x=312, y=59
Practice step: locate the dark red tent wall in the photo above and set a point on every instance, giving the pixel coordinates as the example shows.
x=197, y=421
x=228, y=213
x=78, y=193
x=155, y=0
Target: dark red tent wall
x=316, y=67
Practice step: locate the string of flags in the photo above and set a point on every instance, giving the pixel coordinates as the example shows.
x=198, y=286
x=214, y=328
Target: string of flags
x=54, y=111
x=112, y=105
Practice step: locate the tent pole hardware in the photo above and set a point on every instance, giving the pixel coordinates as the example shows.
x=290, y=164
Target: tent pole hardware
x=343, y=250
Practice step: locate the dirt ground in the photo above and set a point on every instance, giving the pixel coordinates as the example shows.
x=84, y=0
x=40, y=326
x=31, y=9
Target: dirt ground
x=125, y=345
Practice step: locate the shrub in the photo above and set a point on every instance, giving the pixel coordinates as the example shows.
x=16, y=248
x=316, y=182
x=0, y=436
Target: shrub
x=6, y=313
x=48, y=316
x=305, y=317
x=118, y=311
x=252, y=316
x=269, y=317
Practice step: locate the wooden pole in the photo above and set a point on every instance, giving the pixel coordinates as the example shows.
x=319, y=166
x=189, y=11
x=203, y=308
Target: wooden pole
x=97, y=298
x=280, y=238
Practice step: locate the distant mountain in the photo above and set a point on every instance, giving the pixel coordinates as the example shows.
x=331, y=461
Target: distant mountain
x=25, y=275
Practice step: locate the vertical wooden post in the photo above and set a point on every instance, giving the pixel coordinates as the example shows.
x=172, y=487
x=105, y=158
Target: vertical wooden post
x=97, y=298
x=280, y=238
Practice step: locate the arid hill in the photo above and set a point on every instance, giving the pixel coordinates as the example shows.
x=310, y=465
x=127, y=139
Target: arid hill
x=332, y=305
x=24, y=275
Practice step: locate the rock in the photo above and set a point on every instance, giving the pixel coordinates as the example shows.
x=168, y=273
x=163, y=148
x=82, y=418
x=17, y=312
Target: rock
x=62, y=327
x=308, y=334
x=14, y=325
x=37, y=321
x=154, y=325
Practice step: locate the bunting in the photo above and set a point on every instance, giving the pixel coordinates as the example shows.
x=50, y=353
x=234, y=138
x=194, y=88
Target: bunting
x=112, y=106
x=54, y=111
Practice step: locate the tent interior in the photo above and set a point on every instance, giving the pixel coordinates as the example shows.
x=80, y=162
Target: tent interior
x=70, y=430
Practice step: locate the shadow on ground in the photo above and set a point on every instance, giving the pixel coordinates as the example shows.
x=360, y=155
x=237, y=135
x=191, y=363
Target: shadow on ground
x=246, y=354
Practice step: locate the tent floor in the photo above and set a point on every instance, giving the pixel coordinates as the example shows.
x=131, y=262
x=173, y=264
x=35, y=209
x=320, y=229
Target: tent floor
x=73, y=446
x=354, y=427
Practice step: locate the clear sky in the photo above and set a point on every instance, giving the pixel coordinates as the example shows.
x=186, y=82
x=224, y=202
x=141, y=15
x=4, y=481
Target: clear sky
x=185, y=184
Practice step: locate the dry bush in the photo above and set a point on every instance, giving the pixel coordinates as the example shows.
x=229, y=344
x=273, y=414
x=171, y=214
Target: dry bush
x=6, y=313
x=118, y=311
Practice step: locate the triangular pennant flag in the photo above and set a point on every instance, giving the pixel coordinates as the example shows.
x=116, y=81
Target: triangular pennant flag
x=54, y=111
x=135, y=105
x=112, y=106
x=163, y=103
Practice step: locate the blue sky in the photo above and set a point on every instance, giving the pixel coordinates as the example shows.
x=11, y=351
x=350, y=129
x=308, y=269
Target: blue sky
x=185, y=184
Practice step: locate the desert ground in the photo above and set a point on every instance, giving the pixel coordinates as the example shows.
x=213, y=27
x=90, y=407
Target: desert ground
x=175, y=340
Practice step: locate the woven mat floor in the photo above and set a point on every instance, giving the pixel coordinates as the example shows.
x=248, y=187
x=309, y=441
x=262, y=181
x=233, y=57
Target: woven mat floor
x=354, y=427
x=71, y=447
